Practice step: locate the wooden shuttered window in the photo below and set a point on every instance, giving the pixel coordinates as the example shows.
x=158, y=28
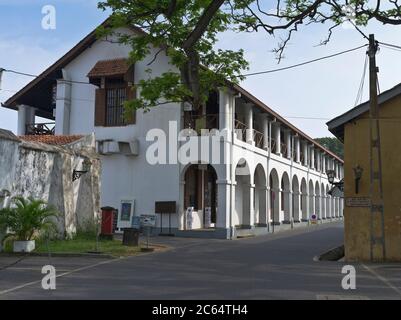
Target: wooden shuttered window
x=109, y=110
x=100, y=107
x=131, y=94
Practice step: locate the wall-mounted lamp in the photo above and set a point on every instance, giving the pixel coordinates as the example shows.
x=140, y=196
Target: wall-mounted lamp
x=86, y=166
x=358, y=170
x=331, y=176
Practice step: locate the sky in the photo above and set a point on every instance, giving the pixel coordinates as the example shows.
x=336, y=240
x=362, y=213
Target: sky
x=320, y=90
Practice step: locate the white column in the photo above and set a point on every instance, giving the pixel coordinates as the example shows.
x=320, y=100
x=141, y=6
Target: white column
x=297, y=150
x=249, y=123
x=277, y=137
x=324, y=163
x=288, y=142
x=305, y=148
x=312, y=157
x=265, y=123
x=223, y=205
x=252, y=204
x=26, y=115
x=224, y=109
x=63, y=106
x=318, y=160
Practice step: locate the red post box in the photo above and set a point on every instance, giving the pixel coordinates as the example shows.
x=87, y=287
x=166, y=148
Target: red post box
x=107, y=221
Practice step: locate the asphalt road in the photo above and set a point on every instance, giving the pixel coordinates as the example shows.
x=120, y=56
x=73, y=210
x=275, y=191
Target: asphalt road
x=279, y=266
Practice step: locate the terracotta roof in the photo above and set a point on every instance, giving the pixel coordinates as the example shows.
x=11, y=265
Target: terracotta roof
x=109, y=68
x=52, y=140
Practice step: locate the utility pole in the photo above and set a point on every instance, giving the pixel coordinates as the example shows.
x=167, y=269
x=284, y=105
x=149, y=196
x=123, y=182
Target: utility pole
x=377, y=241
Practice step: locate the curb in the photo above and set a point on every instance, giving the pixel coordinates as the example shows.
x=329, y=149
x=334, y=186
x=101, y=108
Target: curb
x=60, y=255
x=334, y=254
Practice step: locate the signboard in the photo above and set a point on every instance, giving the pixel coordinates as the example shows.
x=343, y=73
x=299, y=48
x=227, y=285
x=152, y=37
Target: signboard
x=208, y=217
x=189, y=217
x=165, y=207
x=313, y=219
x=127, y=208
x=362, y=202
x=148, y=220
x=136, y=222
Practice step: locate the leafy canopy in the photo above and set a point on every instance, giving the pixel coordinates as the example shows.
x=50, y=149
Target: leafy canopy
x=187, y=31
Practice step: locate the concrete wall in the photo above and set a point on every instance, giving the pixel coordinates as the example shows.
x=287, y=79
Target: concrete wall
x=45, y=172
x=358, y=230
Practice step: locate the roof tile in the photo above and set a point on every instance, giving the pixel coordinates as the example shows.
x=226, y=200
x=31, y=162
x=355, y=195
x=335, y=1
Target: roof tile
x=109, y=68
x=52, y=140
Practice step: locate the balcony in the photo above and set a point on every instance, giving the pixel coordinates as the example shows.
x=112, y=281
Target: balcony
x=201, y=122
x=40, y=129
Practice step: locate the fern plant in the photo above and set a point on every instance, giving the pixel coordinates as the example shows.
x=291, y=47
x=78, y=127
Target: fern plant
x=27, y=217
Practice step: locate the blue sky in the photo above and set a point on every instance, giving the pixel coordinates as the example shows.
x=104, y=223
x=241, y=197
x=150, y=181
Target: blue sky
x=321, y=90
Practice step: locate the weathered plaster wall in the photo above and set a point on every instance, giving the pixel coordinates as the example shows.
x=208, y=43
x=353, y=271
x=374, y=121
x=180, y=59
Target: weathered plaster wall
x=358, y=220
x=45, y=172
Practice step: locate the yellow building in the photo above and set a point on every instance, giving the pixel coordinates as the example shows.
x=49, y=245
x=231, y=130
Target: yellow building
x=364, y=228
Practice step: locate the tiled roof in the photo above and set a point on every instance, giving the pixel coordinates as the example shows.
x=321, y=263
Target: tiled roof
x=109, y=68
x=52, y=140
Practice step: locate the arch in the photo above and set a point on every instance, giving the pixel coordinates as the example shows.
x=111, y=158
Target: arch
x=285, y=197
x=243, y=195
x=311, y=197
x=200, y=192
x=274, y=184
x=317, y=200
x=304, y=199
x=260, y=196
x=296, y=196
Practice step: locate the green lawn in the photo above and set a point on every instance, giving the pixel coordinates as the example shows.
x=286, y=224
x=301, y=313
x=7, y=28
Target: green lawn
x=79, y=245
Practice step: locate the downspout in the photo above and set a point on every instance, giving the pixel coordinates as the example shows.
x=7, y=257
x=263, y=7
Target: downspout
x=291, y=181
x=231, y=161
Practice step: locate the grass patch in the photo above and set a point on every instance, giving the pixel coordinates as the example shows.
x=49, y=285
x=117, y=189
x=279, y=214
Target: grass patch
x=85, y=245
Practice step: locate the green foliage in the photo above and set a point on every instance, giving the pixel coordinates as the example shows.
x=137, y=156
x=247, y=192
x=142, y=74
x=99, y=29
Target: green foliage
x=27, y=217
x=332, y=144
x=187, y=32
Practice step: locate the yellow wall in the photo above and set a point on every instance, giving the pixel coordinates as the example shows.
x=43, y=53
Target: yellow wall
x=357, y=152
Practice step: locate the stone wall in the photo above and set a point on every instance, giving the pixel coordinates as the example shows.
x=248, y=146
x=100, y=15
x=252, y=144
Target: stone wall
x=41, y=171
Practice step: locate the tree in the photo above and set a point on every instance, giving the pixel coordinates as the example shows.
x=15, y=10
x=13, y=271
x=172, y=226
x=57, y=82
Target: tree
x=332, y=144
x=187, y=31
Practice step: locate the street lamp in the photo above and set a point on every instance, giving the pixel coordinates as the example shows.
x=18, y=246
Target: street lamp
x=331, y=176
x=86, y=166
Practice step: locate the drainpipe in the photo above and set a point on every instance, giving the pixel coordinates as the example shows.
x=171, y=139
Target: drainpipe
x=231, y=161
x=291, y=181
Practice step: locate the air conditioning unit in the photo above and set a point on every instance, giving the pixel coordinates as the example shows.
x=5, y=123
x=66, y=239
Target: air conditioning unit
x=108, y=147
x=130, y=148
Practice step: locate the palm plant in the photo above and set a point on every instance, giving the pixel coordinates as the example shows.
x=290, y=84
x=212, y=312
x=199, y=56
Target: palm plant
x=27, y=217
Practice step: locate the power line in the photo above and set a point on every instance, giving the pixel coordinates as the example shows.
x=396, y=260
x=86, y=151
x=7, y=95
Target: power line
x=361, y=85
x=304, y=63
x=243, y=75
x=390, y=45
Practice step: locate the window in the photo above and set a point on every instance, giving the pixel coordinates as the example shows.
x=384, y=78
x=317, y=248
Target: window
x=115, y=98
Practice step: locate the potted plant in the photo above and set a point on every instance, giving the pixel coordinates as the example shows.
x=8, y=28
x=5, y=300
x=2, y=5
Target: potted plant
x=24, y=219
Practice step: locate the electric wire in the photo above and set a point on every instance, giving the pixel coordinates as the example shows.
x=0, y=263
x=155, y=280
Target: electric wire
x=242, y=75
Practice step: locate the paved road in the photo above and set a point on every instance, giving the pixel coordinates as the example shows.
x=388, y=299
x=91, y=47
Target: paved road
x=278, y=266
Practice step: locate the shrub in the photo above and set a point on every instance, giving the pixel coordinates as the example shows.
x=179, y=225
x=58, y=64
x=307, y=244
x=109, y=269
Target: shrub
x=27, y=217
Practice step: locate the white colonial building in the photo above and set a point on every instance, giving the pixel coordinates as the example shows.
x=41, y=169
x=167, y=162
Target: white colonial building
x=273, y=175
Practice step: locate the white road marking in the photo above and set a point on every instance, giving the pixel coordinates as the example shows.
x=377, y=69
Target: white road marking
x=383, y=279
x=61, y=275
